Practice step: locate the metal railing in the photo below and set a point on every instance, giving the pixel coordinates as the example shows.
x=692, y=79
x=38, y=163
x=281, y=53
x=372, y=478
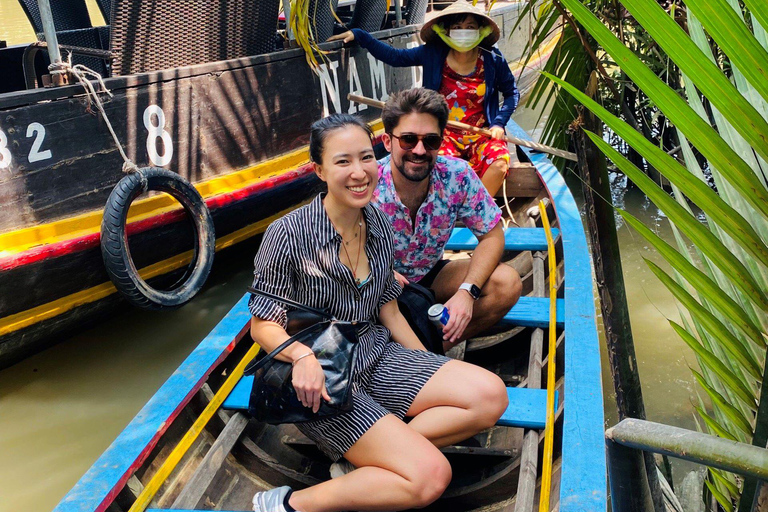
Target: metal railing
x=627, y=441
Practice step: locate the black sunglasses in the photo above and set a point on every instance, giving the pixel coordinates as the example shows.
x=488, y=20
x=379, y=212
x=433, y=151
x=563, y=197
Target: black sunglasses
x=408, y=141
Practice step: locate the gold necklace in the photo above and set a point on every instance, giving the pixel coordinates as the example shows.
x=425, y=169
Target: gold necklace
x=359, y=246
x=357, y=262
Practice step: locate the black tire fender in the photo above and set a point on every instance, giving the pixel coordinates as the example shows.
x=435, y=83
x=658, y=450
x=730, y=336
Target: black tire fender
x=114, y=238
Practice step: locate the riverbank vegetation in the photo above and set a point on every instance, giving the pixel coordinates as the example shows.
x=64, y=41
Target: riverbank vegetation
x=684, y=92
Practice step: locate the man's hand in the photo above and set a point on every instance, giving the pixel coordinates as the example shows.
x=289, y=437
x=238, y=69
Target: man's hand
x=347, y=36
x=401, y=279
x=460, y=311
x=497, y=132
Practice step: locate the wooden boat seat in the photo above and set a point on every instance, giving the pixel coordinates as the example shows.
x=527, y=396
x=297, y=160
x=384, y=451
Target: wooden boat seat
x=527, y=407
x=533, y=312
x=515, y=239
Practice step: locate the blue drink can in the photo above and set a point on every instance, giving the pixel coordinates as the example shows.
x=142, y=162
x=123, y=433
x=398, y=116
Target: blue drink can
x=439, y=316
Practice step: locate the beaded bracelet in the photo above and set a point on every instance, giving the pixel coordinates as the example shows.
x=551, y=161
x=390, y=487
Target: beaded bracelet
x=301, y=357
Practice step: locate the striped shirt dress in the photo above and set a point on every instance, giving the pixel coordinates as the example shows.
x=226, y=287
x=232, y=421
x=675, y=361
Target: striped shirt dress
x=299, y=259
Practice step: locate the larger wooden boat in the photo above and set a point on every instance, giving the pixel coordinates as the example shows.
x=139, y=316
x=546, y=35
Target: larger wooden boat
x=200, y=88
x=187, y=451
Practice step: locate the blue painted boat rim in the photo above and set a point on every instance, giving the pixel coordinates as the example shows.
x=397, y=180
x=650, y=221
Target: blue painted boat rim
x=113, y=468
x=583, y=479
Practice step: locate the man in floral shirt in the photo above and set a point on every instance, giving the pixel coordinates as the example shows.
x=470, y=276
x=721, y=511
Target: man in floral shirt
x=424, y=195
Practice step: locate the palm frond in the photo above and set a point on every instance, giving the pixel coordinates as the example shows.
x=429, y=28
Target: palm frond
x=719, y=103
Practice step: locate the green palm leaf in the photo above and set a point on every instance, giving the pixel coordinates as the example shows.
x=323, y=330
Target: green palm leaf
x=732, y=222
x=727, y=28
x=724, y=501
x=704, y=73
x=730, y=411
x=699, y=280
x=714, y=326
x=757, y=8
x=713, y=425
x=697, y=191
x=700, y=235
x=701, y=134
x=710, y=360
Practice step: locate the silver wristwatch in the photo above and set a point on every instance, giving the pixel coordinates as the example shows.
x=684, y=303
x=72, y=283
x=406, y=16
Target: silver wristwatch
x=473, y=289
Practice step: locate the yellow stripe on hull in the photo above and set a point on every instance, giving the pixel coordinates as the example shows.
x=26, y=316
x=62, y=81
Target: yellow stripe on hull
x=43, y=312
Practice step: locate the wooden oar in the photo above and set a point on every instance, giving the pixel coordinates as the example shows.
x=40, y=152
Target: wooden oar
x=462, y=126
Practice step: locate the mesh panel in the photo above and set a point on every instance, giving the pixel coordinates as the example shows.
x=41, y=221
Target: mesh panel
x=105, y=6
x=149, y=35
x=415, y=11
x=369, y=15
x=67, y=14
x=321, y=11
x=83, y=38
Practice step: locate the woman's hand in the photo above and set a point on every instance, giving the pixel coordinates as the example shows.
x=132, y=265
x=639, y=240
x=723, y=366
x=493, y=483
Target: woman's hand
x=309, y=382
x=347, y=36
x=400, y=278
x=497, y=132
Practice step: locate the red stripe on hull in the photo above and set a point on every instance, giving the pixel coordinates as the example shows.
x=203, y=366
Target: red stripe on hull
x=91, y=240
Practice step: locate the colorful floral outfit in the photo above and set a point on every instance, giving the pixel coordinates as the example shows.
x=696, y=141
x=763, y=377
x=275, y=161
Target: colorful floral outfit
x=455, y=193
x=499, y=82
x=465, y=95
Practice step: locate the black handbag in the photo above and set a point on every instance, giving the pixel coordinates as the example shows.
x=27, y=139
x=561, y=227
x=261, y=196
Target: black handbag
x=334, y=343
x=414, y=303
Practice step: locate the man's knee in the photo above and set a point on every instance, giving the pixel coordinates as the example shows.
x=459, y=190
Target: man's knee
x=505, y=286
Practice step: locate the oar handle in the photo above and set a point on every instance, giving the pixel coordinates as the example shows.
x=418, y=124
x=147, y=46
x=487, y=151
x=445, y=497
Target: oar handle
x=462, y=126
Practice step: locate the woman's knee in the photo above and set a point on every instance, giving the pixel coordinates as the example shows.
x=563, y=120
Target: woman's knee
x=492, y=399
x=432, y=476
x=499, y=166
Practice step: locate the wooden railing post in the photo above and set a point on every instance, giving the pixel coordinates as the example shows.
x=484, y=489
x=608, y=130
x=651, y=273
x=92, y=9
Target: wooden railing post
x=627, y=479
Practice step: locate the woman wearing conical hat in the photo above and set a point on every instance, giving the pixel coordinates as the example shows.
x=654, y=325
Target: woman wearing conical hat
x=460, y=61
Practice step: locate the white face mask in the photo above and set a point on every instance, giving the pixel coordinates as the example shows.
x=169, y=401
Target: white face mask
x=464, y=36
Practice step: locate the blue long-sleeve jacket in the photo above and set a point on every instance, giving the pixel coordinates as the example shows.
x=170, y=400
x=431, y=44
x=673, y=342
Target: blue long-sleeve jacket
x=498, y=77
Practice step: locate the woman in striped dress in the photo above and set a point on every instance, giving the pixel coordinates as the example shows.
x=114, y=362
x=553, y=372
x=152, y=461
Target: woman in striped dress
x=337, y=254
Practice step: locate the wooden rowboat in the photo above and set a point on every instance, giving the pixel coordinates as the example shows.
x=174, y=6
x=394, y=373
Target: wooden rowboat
x=187, y=451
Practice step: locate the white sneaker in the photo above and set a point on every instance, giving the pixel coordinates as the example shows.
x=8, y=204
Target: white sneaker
x=271, y=501
x=341, y=468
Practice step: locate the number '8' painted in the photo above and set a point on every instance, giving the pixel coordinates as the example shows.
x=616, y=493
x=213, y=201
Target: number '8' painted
x=157, y=131
x=5, y=155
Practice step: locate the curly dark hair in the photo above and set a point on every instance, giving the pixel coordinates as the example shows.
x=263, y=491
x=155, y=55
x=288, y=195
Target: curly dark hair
x=417, y=100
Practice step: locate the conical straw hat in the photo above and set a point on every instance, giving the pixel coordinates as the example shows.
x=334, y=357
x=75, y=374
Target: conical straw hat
x=461, y=7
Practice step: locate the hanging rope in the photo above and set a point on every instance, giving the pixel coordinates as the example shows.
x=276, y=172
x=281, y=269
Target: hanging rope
x=82, y=73
x=511, y=220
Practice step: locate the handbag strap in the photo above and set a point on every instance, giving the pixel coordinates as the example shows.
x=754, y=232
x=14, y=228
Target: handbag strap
x=291, y=303
x=299, y=336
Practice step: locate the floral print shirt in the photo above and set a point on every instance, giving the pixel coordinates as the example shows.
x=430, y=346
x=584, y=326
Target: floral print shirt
x=455, y=193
